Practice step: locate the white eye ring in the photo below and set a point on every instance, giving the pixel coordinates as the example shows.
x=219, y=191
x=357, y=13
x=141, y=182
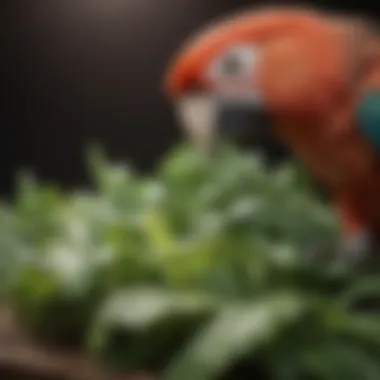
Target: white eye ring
x=238, y=61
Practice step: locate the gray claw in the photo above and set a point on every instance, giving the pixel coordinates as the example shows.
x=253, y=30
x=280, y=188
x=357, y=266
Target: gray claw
x=356, y=250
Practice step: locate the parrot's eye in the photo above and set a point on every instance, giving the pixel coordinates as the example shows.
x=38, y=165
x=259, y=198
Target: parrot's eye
x=238, y=61
x=231, y=65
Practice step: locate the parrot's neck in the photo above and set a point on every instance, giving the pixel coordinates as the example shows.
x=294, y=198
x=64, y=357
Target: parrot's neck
x=337, y=156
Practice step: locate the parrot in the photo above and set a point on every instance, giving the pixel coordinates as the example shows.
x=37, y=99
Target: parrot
x=302, y=76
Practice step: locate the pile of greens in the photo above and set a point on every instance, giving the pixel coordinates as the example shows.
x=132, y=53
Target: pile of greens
x=194, y=272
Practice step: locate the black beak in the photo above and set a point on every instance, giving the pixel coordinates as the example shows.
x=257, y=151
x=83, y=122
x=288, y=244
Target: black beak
x=250, y=126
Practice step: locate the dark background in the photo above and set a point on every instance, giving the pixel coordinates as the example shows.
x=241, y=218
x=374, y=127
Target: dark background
x=75, y=71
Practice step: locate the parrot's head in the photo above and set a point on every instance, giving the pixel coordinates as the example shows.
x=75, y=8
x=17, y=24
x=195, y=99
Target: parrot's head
x=243, y=74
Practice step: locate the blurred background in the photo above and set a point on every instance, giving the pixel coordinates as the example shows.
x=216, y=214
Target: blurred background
x=75, y=71
x=80, y=71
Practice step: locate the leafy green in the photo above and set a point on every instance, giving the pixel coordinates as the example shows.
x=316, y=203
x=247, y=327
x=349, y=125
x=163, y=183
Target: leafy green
x=194, y=271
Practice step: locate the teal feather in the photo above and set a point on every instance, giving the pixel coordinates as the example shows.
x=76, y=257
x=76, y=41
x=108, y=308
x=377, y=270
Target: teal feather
x=368, y=118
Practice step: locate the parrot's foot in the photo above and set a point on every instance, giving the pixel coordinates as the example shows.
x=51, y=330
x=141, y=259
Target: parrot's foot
x=354, y=251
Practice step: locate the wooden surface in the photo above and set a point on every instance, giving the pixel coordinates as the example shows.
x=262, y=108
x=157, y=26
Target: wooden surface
x=22, y=358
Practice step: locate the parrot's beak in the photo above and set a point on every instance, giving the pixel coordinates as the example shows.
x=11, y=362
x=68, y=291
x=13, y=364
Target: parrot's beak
x=208, y=119
x=197, y=115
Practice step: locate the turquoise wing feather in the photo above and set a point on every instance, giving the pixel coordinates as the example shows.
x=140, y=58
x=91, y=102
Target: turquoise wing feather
x=368, y=118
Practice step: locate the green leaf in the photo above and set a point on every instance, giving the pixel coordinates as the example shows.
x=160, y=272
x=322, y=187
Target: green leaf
x=368, y=286
x=237, y=331
x=342, y=361
x=139, y=309
x=143, y=327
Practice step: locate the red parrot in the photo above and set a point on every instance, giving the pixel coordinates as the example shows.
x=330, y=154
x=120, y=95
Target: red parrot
x=308, y=78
